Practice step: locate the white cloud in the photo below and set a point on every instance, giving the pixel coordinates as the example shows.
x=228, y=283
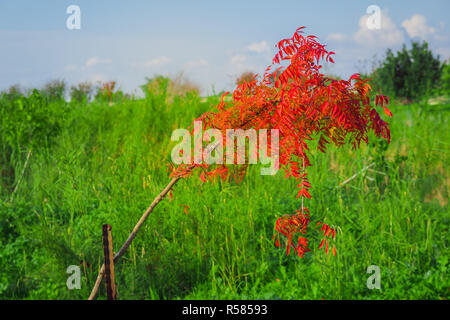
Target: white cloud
x=237, y=60
x=416, y=26
x=96, y=60
x=91, y=62
x=387, y=35
x=258, y=47
x=156, y=62
x=196, y=64
x=71, y=67
x=337, y=36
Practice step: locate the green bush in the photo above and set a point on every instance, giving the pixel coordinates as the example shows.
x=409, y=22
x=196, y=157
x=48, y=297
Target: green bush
x=410, y=74
x=445, y=80
x=29, y=121
x=166, y=89
x=81, y=93
x=26, y=123
x=54, y=90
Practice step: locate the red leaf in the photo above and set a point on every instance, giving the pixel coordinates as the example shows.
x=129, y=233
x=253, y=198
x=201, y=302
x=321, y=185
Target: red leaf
x=321, y=244
x=387, y=111
x=186, y=208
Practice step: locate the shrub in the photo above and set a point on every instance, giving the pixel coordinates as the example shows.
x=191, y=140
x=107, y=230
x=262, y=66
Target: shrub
x=247, y=76
x=29, y=121
x=26, y=123
x=409, y=74
x=107, y=92
x=14, y=92
x=180, y=85
x=54, y=90
x=82, y=92
x=167, y=88
x=445, y=80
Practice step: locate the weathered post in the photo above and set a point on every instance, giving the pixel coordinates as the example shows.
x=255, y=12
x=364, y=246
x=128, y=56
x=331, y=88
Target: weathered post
x=109, y=262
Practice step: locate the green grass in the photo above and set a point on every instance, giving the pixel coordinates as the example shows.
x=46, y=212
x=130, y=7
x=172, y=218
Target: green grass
x=107, y=163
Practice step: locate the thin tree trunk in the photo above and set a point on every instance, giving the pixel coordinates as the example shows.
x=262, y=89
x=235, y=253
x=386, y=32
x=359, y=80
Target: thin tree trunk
x=133, y=233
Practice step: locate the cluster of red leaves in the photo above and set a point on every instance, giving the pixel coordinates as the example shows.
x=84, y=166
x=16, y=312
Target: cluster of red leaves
x=327, y=233
x=303, y=104
x=288, y=226
x=107, y=89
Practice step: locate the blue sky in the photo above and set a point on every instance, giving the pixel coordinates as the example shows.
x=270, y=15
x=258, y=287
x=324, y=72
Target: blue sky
x=210, y=41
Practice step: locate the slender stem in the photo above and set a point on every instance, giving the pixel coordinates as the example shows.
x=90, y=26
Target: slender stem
x=355, y=175
x=133, y=233
x=21, y=175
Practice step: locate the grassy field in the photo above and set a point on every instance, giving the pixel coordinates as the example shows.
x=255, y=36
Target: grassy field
x=106, y=163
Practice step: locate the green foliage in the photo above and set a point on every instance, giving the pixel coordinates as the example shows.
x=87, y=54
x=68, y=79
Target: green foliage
x=166, y=89
x=156, y=87
x=445, y=80
x=81, y=93
x=14, y=92
x=26, y=123
x=108, y=93
x=29, y=121
x=54, y=90
x=107, y=162
x=410, y=73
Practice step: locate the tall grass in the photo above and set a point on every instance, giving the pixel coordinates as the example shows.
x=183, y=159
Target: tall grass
x=107, y=163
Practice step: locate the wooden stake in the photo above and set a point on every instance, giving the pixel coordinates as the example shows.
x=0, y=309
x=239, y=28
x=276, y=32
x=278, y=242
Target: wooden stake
x=109, y=262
